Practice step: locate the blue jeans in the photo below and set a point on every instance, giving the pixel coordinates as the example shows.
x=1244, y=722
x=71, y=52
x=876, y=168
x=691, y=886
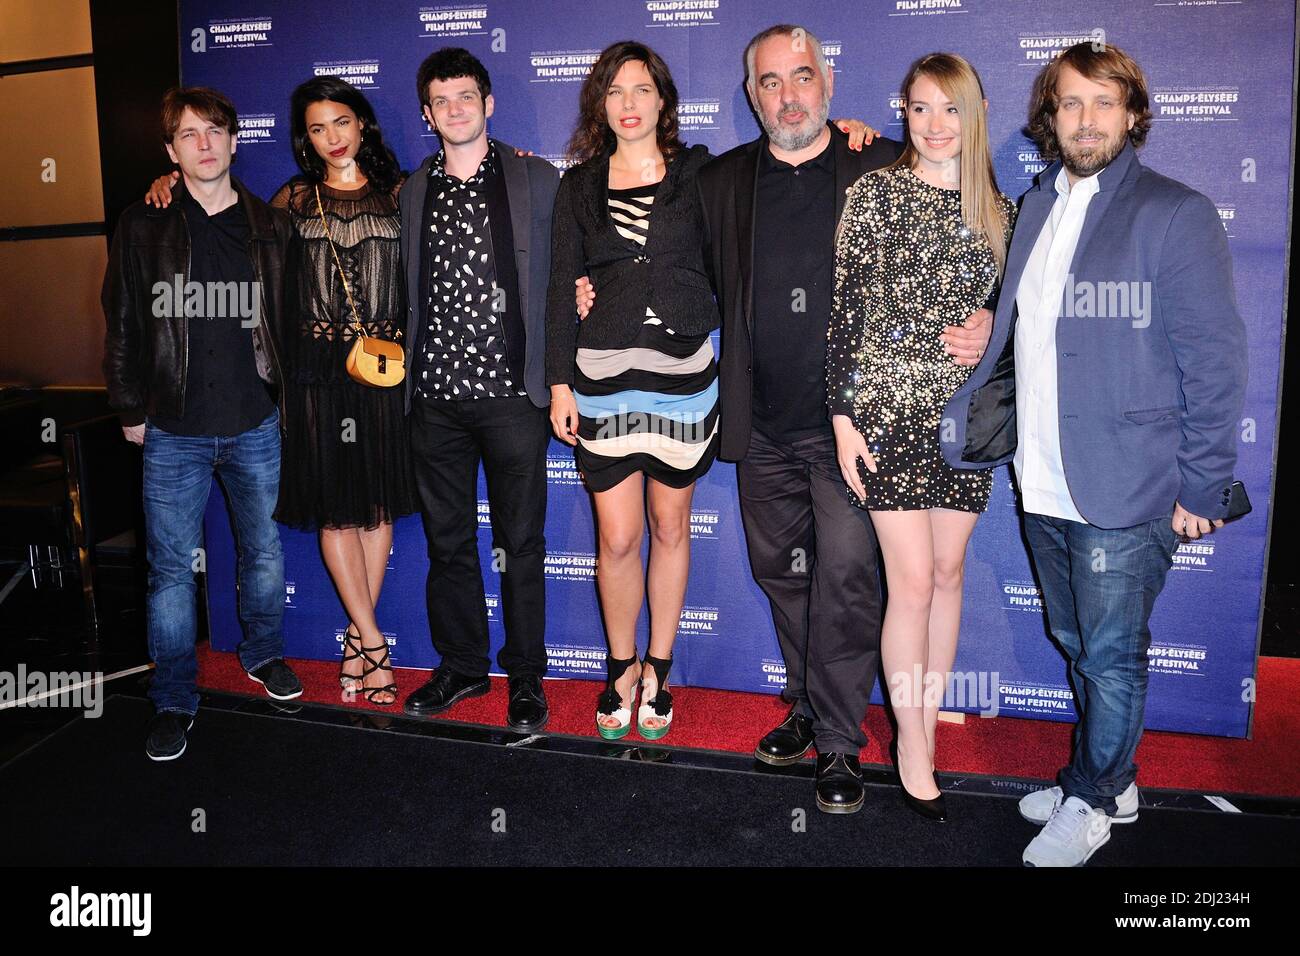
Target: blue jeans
x=178, y=474
x=1099, y=587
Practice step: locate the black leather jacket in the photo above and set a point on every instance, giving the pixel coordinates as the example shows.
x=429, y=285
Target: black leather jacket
x=146, y=356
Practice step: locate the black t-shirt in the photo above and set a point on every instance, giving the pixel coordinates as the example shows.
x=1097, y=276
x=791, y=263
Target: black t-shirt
x=223, y=393
x=794, y=257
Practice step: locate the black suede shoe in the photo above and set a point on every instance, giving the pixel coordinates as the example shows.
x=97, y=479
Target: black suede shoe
x=444, y=689
x=787, y=742
x=839, y=783
x=527, y=710
x=166, y=740
x=280, y=682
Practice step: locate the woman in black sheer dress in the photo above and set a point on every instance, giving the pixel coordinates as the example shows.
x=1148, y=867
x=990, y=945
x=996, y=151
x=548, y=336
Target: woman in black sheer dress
x=347, y=461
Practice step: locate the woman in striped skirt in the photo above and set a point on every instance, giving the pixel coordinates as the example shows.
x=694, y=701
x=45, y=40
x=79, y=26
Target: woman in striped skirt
x=652, y=407
x=634, y=386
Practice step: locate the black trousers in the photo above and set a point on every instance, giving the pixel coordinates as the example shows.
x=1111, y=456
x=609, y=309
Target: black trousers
x=448, y=438
x=814, y=556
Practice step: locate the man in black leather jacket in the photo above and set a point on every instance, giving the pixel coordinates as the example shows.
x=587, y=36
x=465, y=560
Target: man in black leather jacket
x=192, y=298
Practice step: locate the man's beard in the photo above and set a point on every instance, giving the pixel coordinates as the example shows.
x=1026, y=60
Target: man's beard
x=1100, y=156
x=791, y=141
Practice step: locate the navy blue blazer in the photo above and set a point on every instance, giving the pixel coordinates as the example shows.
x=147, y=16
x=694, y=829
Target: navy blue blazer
x=1149, y=402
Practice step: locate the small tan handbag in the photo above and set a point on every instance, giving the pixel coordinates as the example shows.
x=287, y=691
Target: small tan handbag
x=372, y=361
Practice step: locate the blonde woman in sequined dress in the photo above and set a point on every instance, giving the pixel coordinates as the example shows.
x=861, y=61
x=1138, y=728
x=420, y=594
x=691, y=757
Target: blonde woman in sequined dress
x=921, y=245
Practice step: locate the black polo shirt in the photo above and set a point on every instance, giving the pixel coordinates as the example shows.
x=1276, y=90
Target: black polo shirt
x=794, y=263
x=223, y=393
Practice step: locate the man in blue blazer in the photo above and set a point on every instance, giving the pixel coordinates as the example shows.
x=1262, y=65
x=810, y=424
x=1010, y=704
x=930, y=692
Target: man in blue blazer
x=1114, y=379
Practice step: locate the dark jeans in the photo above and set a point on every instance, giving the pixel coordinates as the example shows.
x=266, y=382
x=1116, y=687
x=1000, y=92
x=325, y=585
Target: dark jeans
x=814, y=556
x=1099, y=587
x=178, y=474
x=448, y=438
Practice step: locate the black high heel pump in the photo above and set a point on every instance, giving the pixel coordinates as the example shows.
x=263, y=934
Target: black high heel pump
x=935, y=809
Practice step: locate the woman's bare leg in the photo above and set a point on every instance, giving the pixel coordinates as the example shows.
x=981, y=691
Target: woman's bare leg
x=620, y=578
x=951, y=533
x=906, y=540
x=669, y=510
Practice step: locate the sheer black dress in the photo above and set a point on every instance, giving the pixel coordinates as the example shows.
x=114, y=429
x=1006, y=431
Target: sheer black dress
x=346, y=460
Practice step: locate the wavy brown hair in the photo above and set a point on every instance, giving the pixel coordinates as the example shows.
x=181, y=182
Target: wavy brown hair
x=1099, y=65
x=209, y=105
x=593, y=137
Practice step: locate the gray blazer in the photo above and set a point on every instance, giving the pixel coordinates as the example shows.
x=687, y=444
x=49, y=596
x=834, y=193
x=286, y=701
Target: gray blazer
x=530, y=184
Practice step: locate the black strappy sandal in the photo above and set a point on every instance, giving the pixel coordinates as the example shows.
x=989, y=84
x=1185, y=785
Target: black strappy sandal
x=610, y=702
x=350, y=682
x=370, y=667
x=661, y=706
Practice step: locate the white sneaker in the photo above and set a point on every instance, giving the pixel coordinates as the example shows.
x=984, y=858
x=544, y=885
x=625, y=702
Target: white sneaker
x=1037, y=807
x=1074, y=832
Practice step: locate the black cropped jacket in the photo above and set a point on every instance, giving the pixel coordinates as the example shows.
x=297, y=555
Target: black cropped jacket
x=668, y=275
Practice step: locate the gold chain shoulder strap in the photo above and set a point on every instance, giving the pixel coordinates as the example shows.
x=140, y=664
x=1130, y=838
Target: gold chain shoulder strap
x=356, y=322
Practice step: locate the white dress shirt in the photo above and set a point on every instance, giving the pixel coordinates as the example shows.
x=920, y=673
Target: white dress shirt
x=1038, y=301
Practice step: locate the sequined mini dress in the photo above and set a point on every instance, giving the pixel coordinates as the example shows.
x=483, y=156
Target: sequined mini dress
x=906, y=265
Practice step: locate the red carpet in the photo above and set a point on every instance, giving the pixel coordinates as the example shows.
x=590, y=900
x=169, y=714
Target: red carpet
x=999, y=746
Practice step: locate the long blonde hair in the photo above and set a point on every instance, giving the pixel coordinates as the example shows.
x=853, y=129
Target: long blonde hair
x=980, y=209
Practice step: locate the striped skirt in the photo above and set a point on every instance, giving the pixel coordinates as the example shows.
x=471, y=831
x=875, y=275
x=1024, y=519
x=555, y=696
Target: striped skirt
x=651, y=408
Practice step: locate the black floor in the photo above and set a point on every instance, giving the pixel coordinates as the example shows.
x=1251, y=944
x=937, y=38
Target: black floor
x=43, y=628
x=276, y=790
x=333, y=787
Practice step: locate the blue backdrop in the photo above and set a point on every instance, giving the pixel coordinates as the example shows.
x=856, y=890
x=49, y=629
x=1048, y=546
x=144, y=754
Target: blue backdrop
x=1221, y=77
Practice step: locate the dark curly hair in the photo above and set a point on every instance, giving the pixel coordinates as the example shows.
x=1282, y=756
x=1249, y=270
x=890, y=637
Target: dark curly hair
x=592, y=137
x=1099, y=65
x=374, y=157
x=451, y=63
